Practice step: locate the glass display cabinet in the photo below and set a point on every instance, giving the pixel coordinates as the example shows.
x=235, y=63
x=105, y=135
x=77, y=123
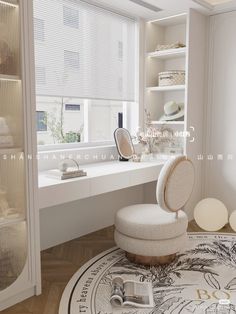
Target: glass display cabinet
x=19, y=245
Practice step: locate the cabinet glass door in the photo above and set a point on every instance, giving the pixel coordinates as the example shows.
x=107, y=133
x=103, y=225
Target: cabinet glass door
x=13, y=226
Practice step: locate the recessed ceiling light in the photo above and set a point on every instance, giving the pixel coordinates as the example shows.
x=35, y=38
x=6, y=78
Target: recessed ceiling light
x=211, y=4
x=216, y=2
x=147, y=5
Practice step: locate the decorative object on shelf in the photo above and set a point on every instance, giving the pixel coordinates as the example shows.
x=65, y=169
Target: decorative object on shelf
x=173, y=111
x=232, y=220
x=3, y=203
x=170, y=46
x=12, y=213
x=4, y=129
x=170, y=78
x=6, y=213
x=211, y=214
x=153, y=139
x=7, y=65
x=7, y=273
x=65, y=172
x=137, y=157
x=124, y=144
x=6, y=139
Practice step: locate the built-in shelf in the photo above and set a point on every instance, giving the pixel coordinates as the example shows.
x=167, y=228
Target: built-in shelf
x=10, y=4
x=9, y=222
x=166, y=88
x=170, y=20
x=167, y=122
x=8, y=151
x=168, y=54
x=4, y=77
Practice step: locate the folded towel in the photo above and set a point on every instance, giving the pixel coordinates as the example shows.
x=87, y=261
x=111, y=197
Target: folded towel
x=6, y=141
x=4, y=129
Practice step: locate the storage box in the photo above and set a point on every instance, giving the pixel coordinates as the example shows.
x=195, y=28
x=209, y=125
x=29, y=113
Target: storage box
x=170, y=78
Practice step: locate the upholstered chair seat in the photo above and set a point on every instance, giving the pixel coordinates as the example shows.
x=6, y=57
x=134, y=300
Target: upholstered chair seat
x=154, y=233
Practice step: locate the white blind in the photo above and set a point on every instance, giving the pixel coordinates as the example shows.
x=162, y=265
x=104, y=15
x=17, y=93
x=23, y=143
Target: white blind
x=85, y=51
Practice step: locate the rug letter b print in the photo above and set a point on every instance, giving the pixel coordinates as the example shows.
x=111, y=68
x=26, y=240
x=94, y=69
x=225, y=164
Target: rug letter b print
x=201, y=280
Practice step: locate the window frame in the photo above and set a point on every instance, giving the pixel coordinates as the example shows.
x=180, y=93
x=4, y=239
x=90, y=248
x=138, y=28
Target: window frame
x=126, y=113
x=41, y=131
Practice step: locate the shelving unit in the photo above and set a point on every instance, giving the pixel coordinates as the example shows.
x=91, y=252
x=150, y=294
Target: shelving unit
x=10, y=3
x=167, y=122
x=168, y=54
x=190, y=29
x=166, y=88
x=4, y=77
x=11, y=222
x=19, y=251
x=170, y=30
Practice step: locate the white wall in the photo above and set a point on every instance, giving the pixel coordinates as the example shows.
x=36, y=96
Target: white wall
x=220, y=175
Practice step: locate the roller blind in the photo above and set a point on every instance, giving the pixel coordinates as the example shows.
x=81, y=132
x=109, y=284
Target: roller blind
x=83, y=51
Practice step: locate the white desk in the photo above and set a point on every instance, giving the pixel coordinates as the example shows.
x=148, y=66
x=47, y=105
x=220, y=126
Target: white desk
x=102, y=177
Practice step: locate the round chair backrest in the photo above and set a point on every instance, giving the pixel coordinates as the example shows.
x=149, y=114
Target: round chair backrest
x=175, y=184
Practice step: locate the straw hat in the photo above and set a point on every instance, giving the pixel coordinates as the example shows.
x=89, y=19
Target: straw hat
x=173, y=111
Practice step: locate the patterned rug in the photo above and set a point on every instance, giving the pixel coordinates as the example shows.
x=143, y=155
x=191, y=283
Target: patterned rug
x=196, y=282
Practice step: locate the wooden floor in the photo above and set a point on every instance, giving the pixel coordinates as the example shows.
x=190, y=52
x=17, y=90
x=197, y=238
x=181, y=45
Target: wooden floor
x=61, y=262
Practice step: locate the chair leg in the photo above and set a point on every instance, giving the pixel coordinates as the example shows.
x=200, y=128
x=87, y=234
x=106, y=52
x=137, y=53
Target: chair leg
x=150, y=260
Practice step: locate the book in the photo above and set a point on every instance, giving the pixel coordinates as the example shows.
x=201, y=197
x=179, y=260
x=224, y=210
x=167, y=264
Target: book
x=131, y=293
x=64, y=175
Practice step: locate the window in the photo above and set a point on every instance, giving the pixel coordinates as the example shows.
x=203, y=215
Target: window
x=70, y=17
x=40, y=74
x=41, y=121
x=120, y=50
x=71, y=107
x=39, y=29
x=71, y=60
x=81, y=83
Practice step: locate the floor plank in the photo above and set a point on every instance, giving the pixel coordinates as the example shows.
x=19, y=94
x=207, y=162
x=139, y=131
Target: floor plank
x=61, y=262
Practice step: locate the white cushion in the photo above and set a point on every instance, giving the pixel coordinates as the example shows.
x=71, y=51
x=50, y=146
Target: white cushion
x=150, y=248
x=150, y=222
x=175, y=183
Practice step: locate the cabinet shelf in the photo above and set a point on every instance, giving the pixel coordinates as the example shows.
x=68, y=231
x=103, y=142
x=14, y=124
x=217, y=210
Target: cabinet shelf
x=167, y=122
x=8, y=151
x=166, y=88
x=168, y=54
x=4, y=77
x=10, y=4
x=9, y=222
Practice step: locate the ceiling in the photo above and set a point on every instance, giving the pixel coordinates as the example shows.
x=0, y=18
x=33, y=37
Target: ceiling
x=169, y=7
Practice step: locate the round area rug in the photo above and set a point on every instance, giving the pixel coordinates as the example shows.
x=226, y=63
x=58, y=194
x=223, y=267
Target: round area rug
x=196, y=282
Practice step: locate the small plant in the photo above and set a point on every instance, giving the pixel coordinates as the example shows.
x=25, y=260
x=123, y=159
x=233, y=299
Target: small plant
x=55, y=126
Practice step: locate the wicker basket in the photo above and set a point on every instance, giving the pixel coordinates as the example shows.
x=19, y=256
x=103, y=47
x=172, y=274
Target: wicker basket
x=170, y=78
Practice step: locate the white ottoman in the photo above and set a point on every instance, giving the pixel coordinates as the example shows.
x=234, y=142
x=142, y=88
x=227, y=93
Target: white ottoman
x=148, y=230
x=151, y=233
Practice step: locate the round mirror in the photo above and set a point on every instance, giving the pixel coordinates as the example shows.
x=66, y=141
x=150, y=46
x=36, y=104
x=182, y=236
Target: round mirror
x=124, y=144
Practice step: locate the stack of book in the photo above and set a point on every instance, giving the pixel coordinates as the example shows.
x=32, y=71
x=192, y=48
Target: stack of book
x=68, y=174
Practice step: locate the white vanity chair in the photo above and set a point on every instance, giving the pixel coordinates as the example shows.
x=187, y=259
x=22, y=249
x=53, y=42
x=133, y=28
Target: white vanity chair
x=153, y=233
